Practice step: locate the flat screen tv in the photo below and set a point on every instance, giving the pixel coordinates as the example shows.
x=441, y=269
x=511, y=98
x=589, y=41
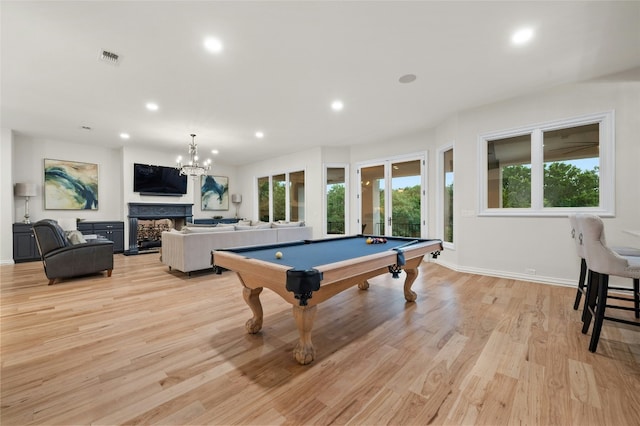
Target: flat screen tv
x=158, y=180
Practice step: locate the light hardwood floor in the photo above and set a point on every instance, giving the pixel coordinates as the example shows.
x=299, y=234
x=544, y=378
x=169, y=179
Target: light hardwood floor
x=147, y=346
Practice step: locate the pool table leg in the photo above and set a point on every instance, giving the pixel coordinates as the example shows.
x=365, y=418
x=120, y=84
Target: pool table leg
x=364, y=285
x=304, y=352
x=412, y=274
x=252, y=297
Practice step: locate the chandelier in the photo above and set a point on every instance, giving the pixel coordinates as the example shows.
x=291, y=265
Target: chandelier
x=193, y=168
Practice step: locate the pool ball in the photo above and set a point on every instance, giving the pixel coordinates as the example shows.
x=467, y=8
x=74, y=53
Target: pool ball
x=278, y=255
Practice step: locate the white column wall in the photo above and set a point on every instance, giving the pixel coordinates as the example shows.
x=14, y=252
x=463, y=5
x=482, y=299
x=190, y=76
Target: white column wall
x=7, y=216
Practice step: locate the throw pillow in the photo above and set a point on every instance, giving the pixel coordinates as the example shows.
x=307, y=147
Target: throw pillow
x=75, y=237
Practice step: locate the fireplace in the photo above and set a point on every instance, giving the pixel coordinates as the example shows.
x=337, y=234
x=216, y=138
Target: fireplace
x=150, y=219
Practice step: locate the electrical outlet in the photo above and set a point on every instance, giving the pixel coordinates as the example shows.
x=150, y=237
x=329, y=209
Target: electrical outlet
x=530, y=271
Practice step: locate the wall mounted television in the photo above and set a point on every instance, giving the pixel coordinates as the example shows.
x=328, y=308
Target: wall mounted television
x=158, y=180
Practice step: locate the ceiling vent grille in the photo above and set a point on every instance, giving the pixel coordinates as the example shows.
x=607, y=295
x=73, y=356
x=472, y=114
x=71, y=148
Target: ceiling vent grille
x=109, y=57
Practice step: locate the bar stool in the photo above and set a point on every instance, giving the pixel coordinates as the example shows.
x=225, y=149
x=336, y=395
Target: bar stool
x=582, y=285
x=602, y=261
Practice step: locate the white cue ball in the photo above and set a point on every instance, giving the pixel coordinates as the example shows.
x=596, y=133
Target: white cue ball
x=278, y=255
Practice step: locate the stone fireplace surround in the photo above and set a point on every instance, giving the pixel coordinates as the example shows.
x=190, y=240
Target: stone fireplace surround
x=178, y=213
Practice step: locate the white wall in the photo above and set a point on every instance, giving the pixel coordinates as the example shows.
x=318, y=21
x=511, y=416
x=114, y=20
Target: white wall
x=6, y=197
x=28, y=166
x=510, y=245
x=507, y=246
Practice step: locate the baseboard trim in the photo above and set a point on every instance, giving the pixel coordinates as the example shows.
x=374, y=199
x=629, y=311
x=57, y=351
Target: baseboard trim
x=509, y=275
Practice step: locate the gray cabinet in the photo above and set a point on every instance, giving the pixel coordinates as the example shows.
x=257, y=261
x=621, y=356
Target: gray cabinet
x=112, y=231
x=25, y=248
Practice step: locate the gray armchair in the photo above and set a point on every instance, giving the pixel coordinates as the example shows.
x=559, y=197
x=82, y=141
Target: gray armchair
x=62, y=259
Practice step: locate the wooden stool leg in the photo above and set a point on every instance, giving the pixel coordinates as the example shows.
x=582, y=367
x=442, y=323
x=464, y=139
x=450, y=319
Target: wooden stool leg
x=581, y=282
x=590, y=302
x=636, y=296
x=603, y=287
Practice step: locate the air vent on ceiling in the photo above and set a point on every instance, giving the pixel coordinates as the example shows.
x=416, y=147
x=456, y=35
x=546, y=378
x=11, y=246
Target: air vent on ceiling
x=109, y=57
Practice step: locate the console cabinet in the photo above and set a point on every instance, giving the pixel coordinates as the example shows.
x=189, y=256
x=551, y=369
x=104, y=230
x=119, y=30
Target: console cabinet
x=112, y=231
x=25, y=248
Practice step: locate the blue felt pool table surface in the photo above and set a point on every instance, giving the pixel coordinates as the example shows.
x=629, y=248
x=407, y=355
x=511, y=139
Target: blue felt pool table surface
x=307, y=255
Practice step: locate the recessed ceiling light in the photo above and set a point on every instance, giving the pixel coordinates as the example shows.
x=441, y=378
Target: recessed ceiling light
x=407, y=78
x=213, y=45
x=522, y=36
x=152, y=106
x=214, y=151
x=259, y=135
x=124, y=135
x=337, y=105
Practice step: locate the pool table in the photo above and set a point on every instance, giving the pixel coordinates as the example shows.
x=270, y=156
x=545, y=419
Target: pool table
x=310, y=272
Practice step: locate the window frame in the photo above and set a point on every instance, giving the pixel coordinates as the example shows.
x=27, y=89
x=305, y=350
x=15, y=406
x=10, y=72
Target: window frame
x=440, y=191
x=606, y=205
x=347, y=186
x=287, y=181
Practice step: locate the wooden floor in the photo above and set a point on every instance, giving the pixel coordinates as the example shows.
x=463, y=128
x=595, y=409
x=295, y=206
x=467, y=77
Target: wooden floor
x=147, y=346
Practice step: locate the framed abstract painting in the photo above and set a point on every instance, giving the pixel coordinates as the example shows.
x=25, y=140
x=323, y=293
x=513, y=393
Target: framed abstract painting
x=70, y=185
x=214, y=191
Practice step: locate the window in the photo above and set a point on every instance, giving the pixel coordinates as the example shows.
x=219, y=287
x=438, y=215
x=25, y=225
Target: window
x=263, y=199
x=281, y=197
x=296, y=196
x=447, y=202
x=549, y=168
x=336, y=199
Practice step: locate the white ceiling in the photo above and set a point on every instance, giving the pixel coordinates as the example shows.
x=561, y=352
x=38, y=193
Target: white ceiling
x=282, y=65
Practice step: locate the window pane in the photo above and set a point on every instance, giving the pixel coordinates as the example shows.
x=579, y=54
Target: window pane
x=372, y=200
x=335, y=187
x=572, y=167
x=448, y=196
x=406, y=198
x=278, y=193
x=263, y=199
x=509, y=172
x=296, y=196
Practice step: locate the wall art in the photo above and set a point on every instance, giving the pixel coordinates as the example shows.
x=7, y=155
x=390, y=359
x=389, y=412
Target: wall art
x=214, y=192
x=70, y=185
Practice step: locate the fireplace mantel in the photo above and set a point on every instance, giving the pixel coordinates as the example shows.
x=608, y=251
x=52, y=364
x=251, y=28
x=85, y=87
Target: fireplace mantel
x=154, y=211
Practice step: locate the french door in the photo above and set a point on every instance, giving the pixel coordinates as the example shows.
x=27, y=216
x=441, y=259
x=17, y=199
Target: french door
x=392, y=198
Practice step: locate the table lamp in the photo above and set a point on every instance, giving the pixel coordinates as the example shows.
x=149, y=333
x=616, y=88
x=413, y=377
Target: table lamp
x=25, y=190
x=236, y=199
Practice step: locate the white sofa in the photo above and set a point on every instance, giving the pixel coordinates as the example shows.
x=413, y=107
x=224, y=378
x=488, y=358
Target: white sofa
x=190, y=248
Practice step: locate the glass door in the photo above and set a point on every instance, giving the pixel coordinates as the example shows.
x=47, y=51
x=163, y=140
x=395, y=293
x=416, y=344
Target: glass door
x=406, y=199
x=372, y=200
x=391, y=198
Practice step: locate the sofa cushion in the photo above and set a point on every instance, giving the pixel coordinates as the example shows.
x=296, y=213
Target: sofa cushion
x=226, y=225
x=286, y=224
x=203, y=229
